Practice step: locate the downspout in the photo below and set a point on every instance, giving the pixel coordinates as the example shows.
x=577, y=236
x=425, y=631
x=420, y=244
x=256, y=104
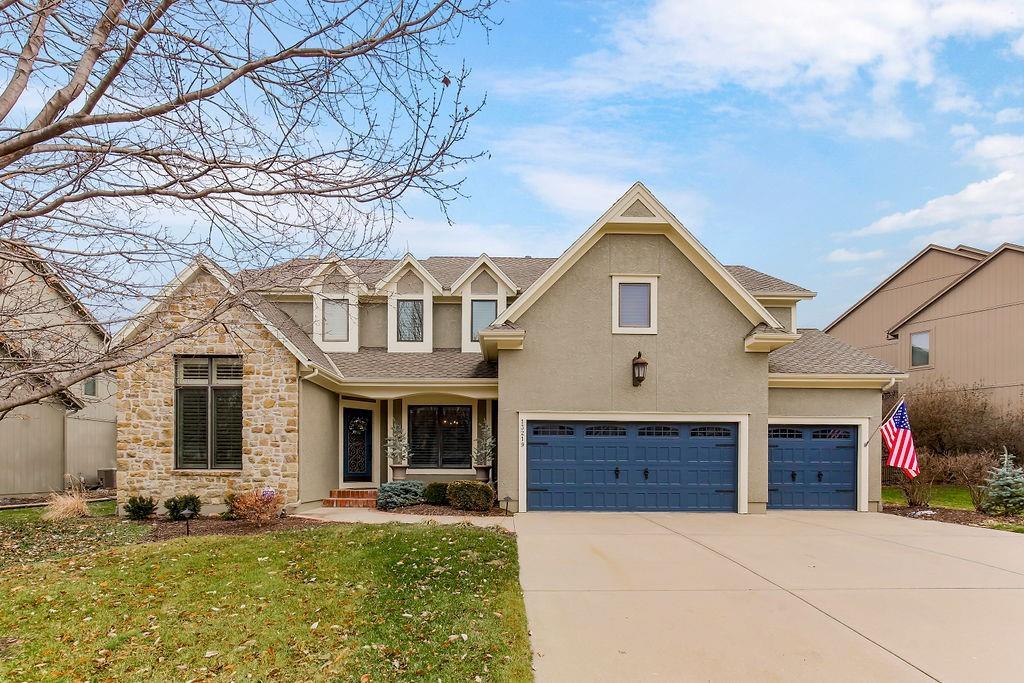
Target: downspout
x=890, y=385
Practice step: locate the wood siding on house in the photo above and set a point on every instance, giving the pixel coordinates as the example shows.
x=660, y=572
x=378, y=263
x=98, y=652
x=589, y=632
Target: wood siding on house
x=32, y=449
x=976, y=330
x=865, y=327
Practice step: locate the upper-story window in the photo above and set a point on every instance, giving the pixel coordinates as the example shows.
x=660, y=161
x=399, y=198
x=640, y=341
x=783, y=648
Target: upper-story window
x=634, y=304
x=410, y=320
x=335, y=315
x=483, y=314
x=89, y=387
x=920, y=349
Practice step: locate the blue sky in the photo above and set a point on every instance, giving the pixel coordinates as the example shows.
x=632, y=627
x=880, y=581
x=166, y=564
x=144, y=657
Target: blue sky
x=823, y=142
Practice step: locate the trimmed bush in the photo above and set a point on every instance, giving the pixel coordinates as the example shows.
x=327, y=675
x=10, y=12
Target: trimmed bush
x=470, y=495
x=139, y=507
x=436, y=493
x=396, y=494
x=178, y=504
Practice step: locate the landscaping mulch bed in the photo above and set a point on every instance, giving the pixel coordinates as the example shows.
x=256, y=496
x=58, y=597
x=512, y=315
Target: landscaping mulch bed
x=446, y=511
x=164, y=529
x=966, y=517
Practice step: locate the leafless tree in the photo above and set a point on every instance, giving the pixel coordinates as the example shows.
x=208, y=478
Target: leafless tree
x=135, y=134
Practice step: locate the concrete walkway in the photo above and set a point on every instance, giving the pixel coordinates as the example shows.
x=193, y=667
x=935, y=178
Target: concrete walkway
x=366, y=516
x=816, y=596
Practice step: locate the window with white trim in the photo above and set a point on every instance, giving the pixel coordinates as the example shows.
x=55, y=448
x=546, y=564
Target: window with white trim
x=89, y=387
x=482, y=313
x=440, y=436
x=410, y=320
x=336, y=321
x=208, y=413
x=335, y=317
x=634, y=304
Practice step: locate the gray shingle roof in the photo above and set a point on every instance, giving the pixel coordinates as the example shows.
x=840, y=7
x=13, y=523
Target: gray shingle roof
x=755, y=282
x=819, y=353
x=375, y=363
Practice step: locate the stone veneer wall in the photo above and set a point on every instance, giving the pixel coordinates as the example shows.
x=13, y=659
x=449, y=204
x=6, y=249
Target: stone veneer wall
x=270, y=408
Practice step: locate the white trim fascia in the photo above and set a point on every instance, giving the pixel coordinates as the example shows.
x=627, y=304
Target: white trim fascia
x=665, y=223
x=768, y=341
x=782, y=380
x=763, y=296
x=404, y=389
x=484, y=260
x=351, y=344
x=651, y=280
x=410, y=261
x=742, y=420
x=375, y=453
x=863, y=425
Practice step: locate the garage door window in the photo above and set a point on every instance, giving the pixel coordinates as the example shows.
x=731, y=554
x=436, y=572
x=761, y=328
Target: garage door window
x=830, y=434
x=658, y=431
x=605, y=431
x=553, y=430
x=710, y=431
x=784, y=433
x=440, y=437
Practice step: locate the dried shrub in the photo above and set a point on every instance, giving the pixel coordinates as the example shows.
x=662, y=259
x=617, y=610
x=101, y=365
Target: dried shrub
x=259, y=507
x=436, y=493
x=139, y=507
x=68, y=505
x=971, y=470
x=918, y=491
x=470, y=495
x=952, y=418
x=396, y=494
x=177, y=505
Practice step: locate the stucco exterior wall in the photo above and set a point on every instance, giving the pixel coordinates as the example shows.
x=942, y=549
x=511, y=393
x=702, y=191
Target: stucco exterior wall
x=572, y=362
x=784, y=314
x=270, y=408
x=373, y=324
x=838, y=403
x=299, y=311
x=447, y=326
x=319, y=455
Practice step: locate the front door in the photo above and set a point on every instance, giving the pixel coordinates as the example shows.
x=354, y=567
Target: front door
x=358, y=447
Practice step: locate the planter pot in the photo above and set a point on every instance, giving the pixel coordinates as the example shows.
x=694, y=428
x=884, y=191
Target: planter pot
x=398, y=472
x=483, y=472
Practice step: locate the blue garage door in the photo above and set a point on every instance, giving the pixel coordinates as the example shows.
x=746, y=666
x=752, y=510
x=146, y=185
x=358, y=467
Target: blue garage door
x=630, y=466
x=812, y=467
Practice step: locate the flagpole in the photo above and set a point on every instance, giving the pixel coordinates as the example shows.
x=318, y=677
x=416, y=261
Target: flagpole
x=886, y=418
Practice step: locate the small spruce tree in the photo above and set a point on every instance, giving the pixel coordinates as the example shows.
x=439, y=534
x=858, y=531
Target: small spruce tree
x=1004, y=492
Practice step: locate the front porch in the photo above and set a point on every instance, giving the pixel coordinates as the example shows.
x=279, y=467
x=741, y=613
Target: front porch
x=440, y=422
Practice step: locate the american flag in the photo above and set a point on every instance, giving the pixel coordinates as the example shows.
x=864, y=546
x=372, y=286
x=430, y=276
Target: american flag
x=900, y=441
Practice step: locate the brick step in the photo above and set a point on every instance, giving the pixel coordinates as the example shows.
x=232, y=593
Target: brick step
x=369, y=503
x=354, y=493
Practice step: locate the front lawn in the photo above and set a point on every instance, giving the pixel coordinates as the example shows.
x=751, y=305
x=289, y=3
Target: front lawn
x=943, y=496
x=333, y=602
x=24, y=537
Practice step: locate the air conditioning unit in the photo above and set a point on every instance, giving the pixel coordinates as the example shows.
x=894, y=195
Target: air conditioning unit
x=107, y=478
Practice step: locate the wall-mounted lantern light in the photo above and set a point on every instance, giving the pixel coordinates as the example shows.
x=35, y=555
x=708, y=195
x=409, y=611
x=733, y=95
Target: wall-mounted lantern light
x=639, y=370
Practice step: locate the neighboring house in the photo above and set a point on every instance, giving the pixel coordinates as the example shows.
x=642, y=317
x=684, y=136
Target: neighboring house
x=950, y=314
x=73, y=433
x=738, y=409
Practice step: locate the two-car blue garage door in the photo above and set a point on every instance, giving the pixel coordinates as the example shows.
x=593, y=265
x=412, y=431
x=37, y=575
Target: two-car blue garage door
x=631, y=466
x=683, y=466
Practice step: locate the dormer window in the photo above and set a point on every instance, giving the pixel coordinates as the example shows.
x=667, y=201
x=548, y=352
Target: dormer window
x=634, y=304
x=336, y=321
x=335, y=316
x=483, y=313
x=410, y=320
x=484, y=290
x=410, y=290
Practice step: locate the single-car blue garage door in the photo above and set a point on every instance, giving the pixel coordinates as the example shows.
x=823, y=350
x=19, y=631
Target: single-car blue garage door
x=631, y=466
x=812, y=467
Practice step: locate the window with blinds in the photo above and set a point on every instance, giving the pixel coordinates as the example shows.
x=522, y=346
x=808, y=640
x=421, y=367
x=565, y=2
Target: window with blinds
x=208, y=413
x=440, y=437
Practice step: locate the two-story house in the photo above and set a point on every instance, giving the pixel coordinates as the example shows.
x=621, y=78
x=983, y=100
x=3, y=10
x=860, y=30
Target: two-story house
x=633, y=372
x=953, y=315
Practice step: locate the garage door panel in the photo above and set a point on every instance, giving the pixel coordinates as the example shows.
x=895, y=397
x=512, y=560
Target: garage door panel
x=812, y=467
x=631, y=466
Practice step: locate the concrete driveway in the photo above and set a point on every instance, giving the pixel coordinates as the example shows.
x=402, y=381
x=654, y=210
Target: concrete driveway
x=785, y=596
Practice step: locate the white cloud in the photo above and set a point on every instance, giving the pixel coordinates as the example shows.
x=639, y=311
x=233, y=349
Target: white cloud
x=1010, y=115
x=853, y=256
x=829, y=48
x=963, y=130
x=1005, y=152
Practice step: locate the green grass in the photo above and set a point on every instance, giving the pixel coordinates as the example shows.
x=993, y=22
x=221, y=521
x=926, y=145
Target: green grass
x=337, y=602
x=943, y=496
x=25, y=537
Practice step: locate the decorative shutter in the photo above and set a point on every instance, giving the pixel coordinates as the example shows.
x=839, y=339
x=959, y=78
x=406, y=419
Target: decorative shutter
x=227, y=428
x=190, y=434
x=424, y=441
x=634, y=305
x=456, y=436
